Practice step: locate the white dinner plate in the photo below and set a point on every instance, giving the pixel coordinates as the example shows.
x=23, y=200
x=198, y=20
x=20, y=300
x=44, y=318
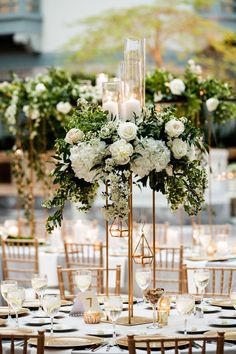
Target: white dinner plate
x=195, y=330
x=211, y=309
x=228, y=315
x=60, y=328
x=38, y=322
x=105, y=332
x=223, y=323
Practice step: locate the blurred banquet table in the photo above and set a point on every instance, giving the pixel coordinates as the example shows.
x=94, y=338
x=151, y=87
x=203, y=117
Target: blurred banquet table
x=210, y=322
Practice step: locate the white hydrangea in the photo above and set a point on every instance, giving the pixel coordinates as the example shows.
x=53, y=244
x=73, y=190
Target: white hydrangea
x=10, y=114
x=40, y=88
x=179, y=148
x=127, y=131
x=177, y=86
x=157, y=96
x=32, y=113
x=174, y=128
x=73, y=136
x=64, y=107
x=212, y=103
x=85, y=156
x=155, y=155
x=121, y=151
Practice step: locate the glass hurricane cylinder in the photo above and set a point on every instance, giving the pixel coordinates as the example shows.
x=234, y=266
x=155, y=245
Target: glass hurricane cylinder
x=135, y=50
x=111, y=97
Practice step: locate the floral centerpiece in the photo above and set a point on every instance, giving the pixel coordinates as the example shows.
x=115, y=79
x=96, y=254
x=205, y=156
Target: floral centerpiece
x=192, y=93
x=158, y=149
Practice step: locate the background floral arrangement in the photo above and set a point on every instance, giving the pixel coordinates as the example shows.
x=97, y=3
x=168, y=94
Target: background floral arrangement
x=193, y=95
x=35, y=111
x=157, y=148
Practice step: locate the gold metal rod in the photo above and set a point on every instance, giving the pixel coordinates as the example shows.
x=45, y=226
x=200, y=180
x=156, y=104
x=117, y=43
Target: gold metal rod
x=131, y=245
x=181, y=221
x=209, y=174
x=154, y=236
x=130, y=255
x=31, y=184
x=107, y=246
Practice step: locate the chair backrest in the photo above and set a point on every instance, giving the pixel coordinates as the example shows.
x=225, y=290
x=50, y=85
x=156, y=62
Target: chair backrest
x=66, y=280
x=169, y=268
x=14, y=347
x=19, y=259
x=216, y=231
x=83, y=254
x=161, y=342
x=220, y=280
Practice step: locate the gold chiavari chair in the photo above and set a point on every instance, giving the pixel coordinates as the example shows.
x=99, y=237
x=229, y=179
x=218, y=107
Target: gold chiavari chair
x=134, y=342
x=83, y=254
x=220, y=280
x=66, y=280
x=215, y=230
x=169, y=268
x=14, y=347
x=19, y=258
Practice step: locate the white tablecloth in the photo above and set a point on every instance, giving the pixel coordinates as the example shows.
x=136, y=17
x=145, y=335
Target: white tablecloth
x=175, y=323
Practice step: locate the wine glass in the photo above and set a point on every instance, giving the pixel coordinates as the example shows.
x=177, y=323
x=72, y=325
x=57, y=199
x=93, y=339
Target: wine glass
x=184, y=305
x=113, y=307
x=16, y=298
x=153, y=296
x=201, y=278
x=5, y=286
x=39, y=284
x=83, y=279
x=51, y=305
x=205, y=240
x=143, y=278
x=233, y=298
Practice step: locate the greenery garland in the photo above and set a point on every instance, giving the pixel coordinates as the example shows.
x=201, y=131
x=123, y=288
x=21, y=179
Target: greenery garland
x=193, y=95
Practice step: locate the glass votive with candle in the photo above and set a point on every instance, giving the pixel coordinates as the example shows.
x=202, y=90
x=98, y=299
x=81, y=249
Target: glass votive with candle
x=132, y=90
x=100, y=79
x=163, y=310
x=211, y=249
x=111, y=97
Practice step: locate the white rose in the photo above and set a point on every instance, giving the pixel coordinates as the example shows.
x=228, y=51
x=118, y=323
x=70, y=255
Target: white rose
x=177, y=86
x=34, y=114
x=127, y=131
x=179, y=148
x=174, y=128
x=73, y=136
x=121, y=151
x=169, y=170
x=212, y=103
x=64, y=107
x=40, y=88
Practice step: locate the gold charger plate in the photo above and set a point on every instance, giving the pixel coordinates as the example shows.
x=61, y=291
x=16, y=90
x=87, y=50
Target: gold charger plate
x=4, y=311
x=21, y=331
x=123, y=342
x=2, y=322
x=68, y=342
x=230, y=334
x=224, y=304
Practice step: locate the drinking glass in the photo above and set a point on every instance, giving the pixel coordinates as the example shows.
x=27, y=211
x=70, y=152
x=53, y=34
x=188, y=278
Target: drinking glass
x=184, y=305
x=5, y=286
x=51, y=305
x=113, y=307
x=153, y=296
x=39, y=284
x=143, y=278
x=233, y=298
x=83, y=279
x=16, y=298
x=201, y=279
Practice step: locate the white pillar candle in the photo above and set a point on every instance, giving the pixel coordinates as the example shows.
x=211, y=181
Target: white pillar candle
x=132, y=106
x=111, y=107
x=101, y=78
